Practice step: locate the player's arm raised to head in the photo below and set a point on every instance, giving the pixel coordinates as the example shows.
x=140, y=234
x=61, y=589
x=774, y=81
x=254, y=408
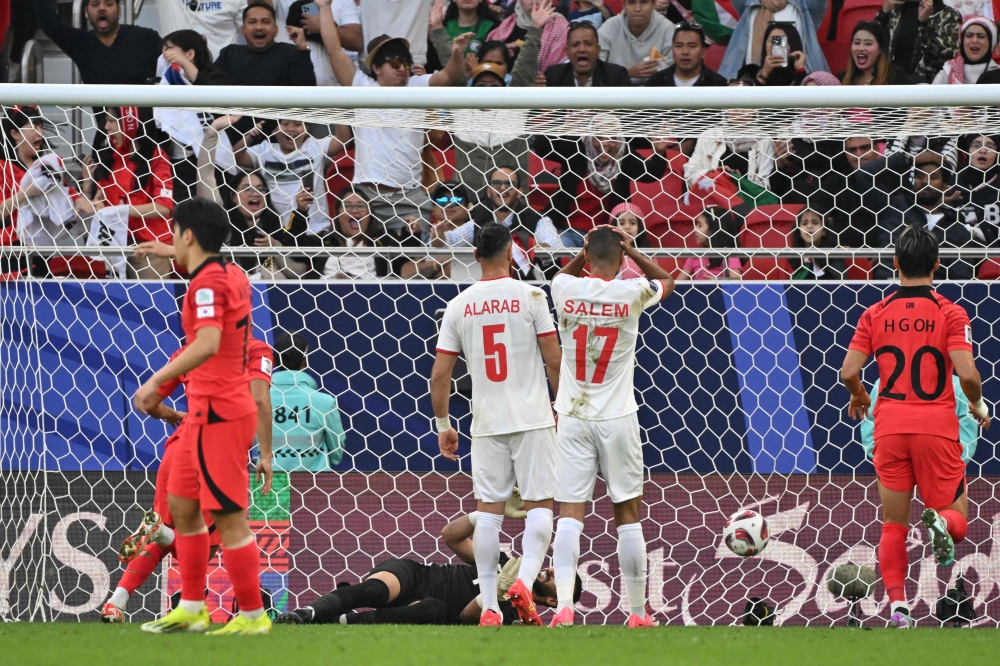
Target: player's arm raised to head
x=972, y=384
x=576, y=264
x=650, y=269
x=850, y=375
x=204, y=346
x=457, y=535
x=260, y=389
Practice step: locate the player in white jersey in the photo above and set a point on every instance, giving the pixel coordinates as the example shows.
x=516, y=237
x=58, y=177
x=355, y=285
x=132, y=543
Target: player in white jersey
x=506, y=332
x=598, y=427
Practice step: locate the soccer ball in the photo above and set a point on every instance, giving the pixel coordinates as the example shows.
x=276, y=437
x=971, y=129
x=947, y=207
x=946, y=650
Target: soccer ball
x=746, y=533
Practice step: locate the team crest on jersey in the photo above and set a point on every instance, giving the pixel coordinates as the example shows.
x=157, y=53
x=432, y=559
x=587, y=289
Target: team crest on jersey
x=204, y=297
x=206, y=312
x=265, y=366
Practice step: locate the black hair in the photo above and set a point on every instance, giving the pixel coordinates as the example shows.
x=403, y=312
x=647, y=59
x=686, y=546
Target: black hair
x=251, y=5
x=685, y=26
x=916, y=251
x=393, y=49
x=604, y=244
x=189, y=40
x=577, y=589
x=148, y=139
x=491, y=45
x=722, y=231
x=451, y=188
x=492, y=238
x=483, y=12
x=15, y=118
x=290, y=351
x=294, y=18
x=206, y=219
x=829, y=236
x=782, y=76
x=370, y=237
x=515, y=175
x=582, y=25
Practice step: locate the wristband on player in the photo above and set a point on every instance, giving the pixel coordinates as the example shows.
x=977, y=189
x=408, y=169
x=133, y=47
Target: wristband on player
x=443, y=423
x=979, y=409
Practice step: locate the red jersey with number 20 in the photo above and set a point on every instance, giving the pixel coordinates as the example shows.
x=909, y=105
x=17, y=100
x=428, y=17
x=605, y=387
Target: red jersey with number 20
x=911, y=333
x=219, y=296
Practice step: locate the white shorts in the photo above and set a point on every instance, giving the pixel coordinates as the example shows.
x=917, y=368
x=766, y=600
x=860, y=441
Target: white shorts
x=584, y=446
x=529, y=457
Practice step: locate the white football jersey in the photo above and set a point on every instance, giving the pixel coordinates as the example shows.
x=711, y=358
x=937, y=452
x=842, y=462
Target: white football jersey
x=599, y=326
x=496, y=324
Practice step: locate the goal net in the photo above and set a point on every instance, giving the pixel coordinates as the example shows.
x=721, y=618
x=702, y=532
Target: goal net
x=355, y=214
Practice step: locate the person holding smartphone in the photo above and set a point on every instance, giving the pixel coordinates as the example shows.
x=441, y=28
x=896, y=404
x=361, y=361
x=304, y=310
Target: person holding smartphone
x=784, y=61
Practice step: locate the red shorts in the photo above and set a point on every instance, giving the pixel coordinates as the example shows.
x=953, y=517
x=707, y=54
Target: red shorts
x=213, y=466
x=160, y=504
x=931, y=463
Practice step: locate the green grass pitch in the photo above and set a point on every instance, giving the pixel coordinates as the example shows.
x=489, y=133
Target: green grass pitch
x=65, y=644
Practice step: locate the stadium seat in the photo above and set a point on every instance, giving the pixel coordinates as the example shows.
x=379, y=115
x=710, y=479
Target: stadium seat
x=853, y=12
x=714, y=56
x=338, y=176
x=859, y=268
x=989, y=270
x=836, y=54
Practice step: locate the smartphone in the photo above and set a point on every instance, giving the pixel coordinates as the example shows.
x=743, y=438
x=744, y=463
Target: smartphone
x=312, y=9
x=779, y=47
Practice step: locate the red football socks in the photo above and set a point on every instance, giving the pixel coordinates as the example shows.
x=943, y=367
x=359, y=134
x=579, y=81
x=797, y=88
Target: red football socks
x=142, y=566
x=893, y=561
x=958, y=526
x=243, y=566
x=192, y=551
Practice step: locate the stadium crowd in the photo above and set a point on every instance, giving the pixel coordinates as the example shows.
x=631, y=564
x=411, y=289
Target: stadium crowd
x=294, y=184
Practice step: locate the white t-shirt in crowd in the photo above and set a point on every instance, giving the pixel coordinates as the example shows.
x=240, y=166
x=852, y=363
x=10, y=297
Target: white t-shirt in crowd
x=387, y=155
x=398, y=18
x=286, y=174
x=496, y=324
x=352, y=266
x=345, y=12
x=599, y=327
x=681, y=83
x=218, y=20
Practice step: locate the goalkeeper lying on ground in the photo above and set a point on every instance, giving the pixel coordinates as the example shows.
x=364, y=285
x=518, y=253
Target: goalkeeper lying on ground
x=404, y=591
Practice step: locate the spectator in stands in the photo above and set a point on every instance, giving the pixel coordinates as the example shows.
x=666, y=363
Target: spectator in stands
x=628, y=217
x=354, y=225
x=513, y=32
x=400, y=19
x=688, y=70
x=303, y=30
x=923, y=203
x=505, y=204
x=869, y=64
x=585, y=68
x=638, y=39
x=112, y=52
x=714, y=228
x=978, y=182
x=308, y=432
x=923, y=36
x=975, y=56
x=38, y=205
x=293, y=161
x=969, y=8
x=185, y=61
x=495, y=53
x=746, y=44
x=594, y=11
x=219, y=20
x=476, y=153
x=811, y=231
x=452, y=209
x=262, y=61
x=460, y=17
x=780, y=69
x=132, y=187
x=388, y=164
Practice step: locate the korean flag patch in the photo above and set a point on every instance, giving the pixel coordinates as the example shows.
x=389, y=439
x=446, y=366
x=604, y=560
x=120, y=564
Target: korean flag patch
x=206, y=312
x=968, y=334
x=204, y=297
x=265, y=365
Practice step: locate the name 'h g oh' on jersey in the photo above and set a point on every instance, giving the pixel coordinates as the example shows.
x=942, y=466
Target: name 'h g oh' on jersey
x=599, y=327
x=496, y=324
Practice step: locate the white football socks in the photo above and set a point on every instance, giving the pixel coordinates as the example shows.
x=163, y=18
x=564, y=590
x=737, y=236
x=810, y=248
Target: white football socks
x=632, y=561
x=119, y=598
x=534, y=544
x=164, y=536
x=486, y=547
x=565, y=555
x=192, y=606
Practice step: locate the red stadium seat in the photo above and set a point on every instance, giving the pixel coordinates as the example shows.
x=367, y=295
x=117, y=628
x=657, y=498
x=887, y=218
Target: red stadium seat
x=339, y=176
x=853, y=12
x=767, y=268
x=989, y=270
x=714, y=56
x=836, y=54
x=859, y=268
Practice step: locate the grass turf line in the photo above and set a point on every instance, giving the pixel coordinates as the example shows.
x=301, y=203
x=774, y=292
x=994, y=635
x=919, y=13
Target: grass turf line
x=96, y=644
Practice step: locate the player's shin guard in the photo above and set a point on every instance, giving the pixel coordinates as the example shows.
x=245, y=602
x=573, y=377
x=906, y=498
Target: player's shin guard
x=958, y=526
x=486, y=547
x=892, y=561
x=534, y=544
x=141, y=567
x=632, y=560
x=192, y=553
x=371, y=593
x=565, y=555
x=243, y=566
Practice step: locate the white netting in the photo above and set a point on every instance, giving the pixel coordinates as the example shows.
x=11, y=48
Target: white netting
x=737, y=379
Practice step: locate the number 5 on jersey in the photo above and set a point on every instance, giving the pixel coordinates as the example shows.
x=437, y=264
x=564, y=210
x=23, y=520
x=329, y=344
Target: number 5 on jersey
x=494, y=353
x=580, y=336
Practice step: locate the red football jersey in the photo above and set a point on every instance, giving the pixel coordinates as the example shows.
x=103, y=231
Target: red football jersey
x=168, y=387
x=219, y=296
x=260, y=360
x=911, y=333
